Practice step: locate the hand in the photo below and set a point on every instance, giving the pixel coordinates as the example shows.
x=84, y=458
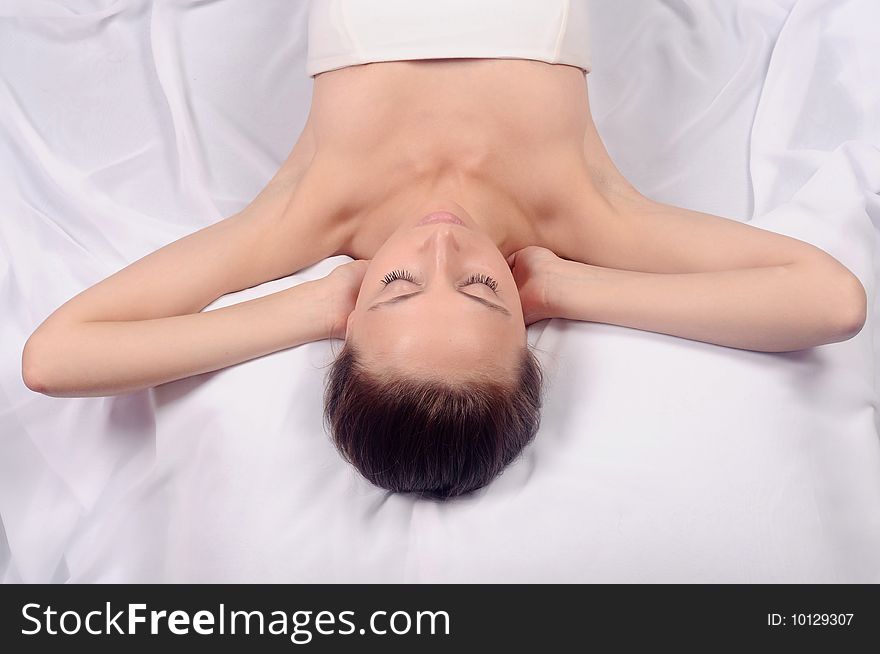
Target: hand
x=533, y=270
x=339, y=292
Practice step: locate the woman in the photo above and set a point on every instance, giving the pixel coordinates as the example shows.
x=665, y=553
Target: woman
x=450, y=152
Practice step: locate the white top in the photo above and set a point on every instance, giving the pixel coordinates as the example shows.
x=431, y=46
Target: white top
x=352, y=32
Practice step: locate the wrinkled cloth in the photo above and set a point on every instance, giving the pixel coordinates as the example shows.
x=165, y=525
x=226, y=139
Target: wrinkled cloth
x=127, y=124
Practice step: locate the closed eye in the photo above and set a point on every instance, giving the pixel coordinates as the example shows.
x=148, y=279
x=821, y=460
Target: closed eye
x=482, y=279
x=398, y=274
x=477, y=278
x=402, y=298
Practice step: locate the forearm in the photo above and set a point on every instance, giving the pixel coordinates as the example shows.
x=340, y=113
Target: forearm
x=772, y=309
x=108, y=358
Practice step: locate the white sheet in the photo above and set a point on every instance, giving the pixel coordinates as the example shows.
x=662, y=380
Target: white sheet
x=127, y=124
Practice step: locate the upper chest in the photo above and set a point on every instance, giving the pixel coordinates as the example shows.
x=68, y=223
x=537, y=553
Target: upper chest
x=511, y=132
x=459, y=101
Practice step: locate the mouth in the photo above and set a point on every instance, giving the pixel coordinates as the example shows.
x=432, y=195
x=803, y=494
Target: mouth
x=441, y=217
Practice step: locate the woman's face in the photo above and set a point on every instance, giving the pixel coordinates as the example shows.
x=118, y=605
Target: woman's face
x=438, y=299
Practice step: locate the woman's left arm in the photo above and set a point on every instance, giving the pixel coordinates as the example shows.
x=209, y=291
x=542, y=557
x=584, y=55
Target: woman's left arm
x=103, y=358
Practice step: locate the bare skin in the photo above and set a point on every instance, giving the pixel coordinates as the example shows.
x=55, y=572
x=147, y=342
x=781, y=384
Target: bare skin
x=511, y=145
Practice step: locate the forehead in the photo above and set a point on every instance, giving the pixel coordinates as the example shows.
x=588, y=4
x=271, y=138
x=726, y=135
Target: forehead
x=425, y=346
x=467, y=317
x=469, y=335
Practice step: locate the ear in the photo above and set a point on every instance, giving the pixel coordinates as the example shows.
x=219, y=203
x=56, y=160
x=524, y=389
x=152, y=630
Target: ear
x=348, y=324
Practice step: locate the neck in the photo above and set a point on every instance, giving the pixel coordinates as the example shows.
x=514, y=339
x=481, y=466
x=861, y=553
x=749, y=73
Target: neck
x=476, y=201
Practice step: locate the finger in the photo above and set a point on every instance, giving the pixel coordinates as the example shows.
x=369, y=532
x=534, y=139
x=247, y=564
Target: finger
x=511, y=259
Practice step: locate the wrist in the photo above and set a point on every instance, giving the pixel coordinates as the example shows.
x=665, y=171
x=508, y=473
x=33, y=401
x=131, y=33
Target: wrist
x=559, y=288
x=575, y=288
x=312, y=311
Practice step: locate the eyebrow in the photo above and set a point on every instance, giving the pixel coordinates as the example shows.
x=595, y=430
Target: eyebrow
x=401, y=298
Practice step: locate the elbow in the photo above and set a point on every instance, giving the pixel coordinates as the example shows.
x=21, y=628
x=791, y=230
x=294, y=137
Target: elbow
x=39, y=369
x=850, y=308
x=33, y=367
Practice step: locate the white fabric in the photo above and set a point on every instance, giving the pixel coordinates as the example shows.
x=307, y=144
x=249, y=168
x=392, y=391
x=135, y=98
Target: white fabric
x=352, y=32
x=127, y=124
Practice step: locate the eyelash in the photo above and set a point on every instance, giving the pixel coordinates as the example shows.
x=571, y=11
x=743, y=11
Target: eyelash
x=473, y=279
x=397, y=274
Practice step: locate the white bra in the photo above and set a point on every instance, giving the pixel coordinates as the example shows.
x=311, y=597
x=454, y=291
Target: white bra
x=352, y=32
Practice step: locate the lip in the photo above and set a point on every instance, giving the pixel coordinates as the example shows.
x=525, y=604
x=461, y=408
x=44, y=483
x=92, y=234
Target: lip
x=441, y=217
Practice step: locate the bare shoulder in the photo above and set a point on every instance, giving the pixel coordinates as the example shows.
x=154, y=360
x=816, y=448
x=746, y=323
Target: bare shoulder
x=621, y=228
x=610, y=223
x=293, y=214
x=592, y=224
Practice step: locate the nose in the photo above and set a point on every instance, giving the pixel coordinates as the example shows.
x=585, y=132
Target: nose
x=442, y=241
x=441, y=246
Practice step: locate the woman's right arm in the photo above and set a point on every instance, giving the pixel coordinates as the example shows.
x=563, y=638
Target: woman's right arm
x=768, y=308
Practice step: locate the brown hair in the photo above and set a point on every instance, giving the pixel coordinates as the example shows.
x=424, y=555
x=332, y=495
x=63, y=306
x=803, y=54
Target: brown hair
x=430, y=437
